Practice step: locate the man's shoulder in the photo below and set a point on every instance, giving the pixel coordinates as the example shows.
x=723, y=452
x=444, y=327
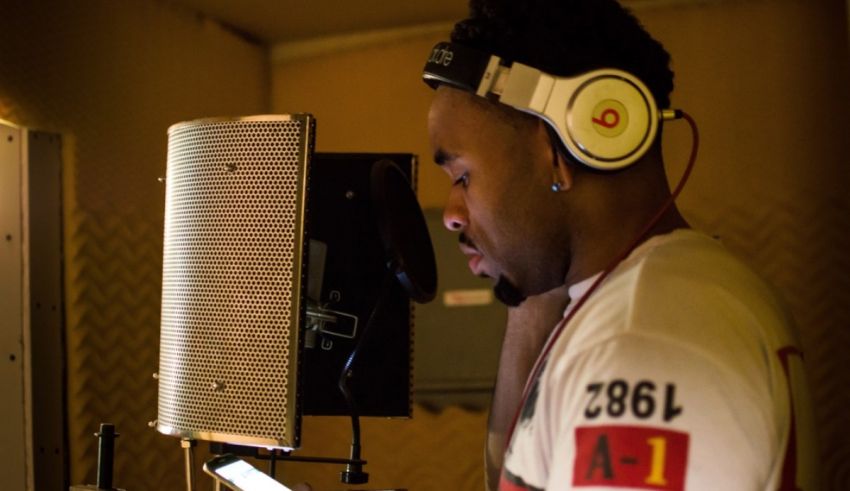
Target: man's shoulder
x=688, y=272
x=685, y=288
x=692, y=275
x=685, y=253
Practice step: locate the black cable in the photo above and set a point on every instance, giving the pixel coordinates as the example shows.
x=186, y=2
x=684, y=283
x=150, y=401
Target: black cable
x=353, y=473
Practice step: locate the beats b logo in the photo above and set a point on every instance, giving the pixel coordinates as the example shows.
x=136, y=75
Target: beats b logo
x=610, y=118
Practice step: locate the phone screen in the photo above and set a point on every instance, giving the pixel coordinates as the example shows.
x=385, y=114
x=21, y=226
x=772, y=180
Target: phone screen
x=241, y=475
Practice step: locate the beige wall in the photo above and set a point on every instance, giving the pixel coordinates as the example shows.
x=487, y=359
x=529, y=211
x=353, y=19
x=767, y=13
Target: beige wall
x=366, y=99
x=111, y=77
x=767, y=81
x=768, y=84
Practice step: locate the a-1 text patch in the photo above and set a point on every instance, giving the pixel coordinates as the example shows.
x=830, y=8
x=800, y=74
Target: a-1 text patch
x=630, y=456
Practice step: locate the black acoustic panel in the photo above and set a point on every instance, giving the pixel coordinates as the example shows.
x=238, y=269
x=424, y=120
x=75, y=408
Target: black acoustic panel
x=341, y=216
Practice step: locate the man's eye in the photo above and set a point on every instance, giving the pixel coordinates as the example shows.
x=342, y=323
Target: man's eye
x=463, y=180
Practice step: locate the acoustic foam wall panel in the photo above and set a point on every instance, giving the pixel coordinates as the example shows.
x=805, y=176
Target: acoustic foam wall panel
x=111, y=77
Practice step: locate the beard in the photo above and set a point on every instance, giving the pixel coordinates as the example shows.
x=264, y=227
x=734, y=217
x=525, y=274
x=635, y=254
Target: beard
x=508, y=293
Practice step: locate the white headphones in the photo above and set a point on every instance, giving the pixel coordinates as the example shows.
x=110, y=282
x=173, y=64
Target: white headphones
x=607, y=118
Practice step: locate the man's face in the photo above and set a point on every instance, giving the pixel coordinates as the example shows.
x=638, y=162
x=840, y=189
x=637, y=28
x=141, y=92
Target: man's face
x=501, y=169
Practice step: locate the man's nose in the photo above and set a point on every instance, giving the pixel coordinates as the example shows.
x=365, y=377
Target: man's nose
x=455, y=217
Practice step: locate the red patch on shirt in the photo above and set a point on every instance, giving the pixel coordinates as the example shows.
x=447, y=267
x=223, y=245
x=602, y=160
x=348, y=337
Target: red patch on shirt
x=630, y=456
x=505, y=484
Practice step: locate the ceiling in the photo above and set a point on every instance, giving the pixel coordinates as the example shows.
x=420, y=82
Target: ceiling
x=280, y=21
x=276, y=22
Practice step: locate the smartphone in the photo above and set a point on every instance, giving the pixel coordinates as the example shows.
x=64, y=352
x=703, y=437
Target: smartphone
x=240, y=475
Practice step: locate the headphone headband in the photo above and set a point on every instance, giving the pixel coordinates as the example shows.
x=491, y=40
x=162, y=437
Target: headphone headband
x=456, y=65
x=607, y=119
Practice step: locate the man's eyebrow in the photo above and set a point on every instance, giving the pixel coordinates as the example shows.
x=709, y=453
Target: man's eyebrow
x=442, y=157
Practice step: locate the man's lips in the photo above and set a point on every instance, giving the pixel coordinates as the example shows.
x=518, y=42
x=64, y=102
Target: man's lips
x=474, y=256
x=474, y=261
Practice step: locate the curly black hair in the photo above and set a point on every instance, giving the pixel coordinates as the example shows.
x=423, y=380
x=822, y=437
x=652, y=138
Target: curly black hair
x=568, y=37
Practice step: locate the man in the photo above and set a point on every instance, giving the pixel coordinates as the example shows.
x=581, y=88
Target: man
x=679, y=369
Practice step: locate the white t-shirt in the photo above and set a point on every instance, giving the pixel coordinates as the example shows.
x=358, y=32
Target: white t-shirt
x=679, y=372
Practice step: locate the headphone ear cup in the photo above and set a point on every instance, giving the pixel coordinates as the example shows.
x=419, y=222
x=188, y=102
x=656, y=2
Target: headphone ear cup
x=611, y=120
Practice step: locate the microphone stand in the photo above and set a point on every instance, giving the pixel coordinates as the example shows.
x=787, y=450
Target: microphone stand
x=188, y=446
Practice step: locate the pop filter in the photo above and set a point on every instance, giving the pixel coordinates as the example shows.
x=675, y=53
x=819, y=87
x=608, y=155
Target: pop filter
x=403, y=231
x=345, y=208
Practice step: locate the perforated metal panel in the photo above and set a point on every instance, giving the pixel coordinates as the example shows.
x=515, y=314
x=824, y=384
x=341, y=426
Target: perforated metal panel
x=232, y=279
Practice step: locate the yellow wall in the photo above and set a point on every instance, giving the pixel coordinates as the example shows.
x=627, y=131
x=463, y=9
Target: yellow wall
x=768, y=84
x=110, y=77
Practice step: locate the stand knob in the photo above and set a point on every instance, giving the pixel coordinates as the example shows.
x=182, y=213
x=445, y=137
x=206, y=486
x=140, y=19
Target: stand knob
x=353, y=474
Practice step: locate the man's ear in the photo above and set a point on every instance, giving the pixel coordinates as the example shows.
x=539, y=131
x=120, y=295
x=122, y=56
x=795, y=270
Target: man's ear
x=562, y=172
